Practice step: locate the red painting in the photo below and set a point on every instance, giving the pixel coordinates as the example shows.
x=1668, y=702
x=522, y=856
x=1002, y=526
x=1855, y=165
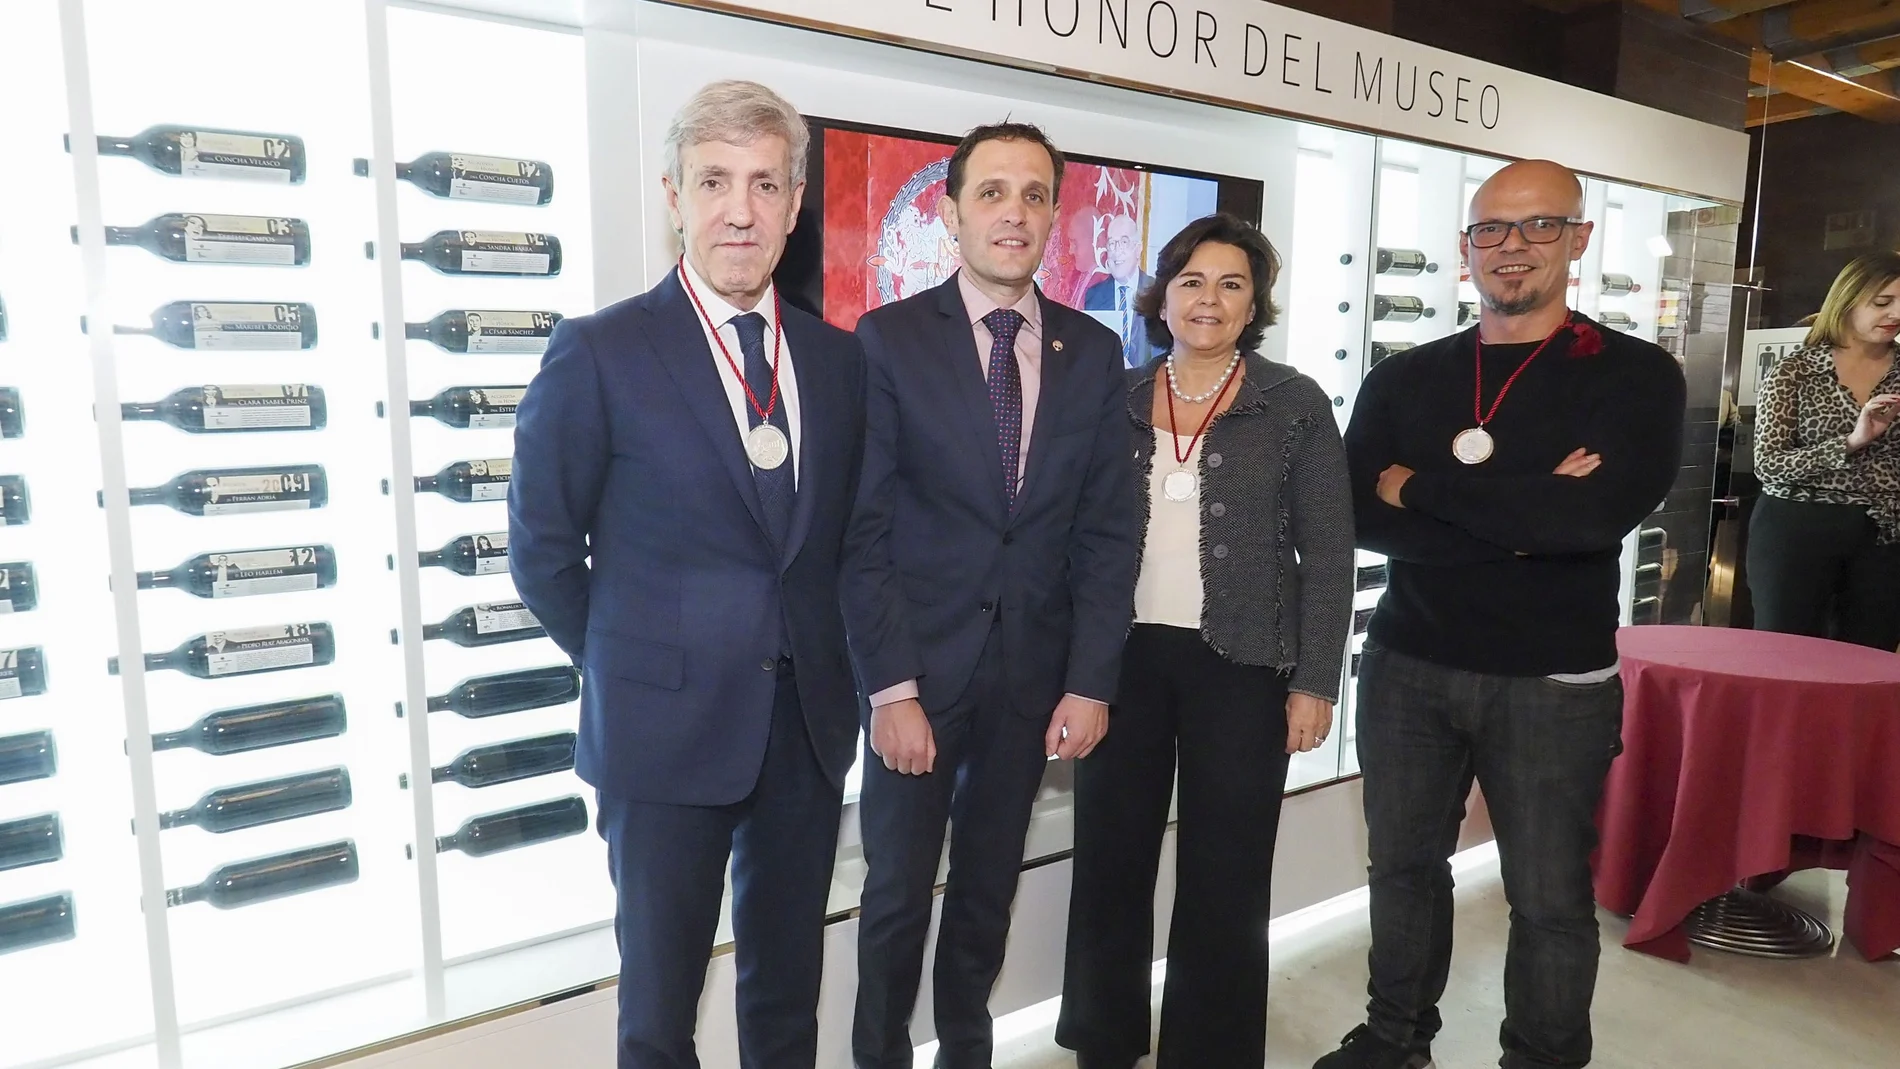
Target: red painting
x=885, y=241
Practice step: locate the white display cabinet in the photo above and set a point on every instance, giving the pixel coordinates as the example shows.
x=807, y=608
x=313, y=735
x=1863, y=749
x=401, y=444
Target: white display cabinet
x=392, y=937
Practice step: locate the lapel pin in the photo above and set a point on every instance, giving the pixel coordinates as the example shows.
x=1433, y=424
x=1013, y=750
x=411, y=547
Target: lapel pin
x=1056, y=345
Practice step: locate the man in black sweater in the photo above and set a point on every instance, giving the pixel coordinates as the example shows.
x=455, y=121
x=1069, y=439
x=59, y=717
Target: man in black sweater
x=1500, y=469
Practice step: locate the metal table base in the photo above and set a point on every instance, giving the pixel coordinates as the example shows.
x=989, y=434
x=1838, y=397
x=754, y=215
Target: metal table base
x=1749, y=922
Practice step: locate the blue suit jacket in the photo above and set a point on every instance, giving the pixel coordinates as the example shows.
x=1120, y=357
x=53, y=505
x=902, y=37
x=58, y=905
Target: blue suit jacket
x=637, y=538
x=1100, y=297
x=935, y=550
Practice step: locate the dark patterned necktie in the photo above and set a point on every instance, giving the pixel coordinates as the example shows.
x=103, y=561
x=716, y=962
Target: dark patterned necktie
x=775, y=484
x=1006, y=394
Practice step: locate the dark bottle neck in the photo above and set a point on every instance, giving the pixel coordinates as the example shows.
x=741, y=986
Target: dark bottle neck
x=124, y=235
x=426, y=483
x=175, y=740
x=430, y=631
x=158, y=580
x=439, y=703
x=446, y=843
x=422, y=408
x=117, y=146
x=149, y=495
x=416, y=331
x=155, y=661
x=184, y=896
x=136, y=410
x=413, y=250
x=405, y=171
x=445, y=774
x=431, y=558
x=177, y=818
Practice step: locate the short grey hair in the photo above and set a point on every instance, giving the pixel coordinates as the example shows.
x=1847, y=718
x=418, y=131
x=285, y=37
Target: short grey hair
x=738, y=113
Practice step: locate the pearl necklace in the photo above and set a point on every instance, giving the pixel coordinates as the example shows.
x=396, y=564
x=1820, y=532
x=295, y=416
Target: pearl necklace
x=1212, y=391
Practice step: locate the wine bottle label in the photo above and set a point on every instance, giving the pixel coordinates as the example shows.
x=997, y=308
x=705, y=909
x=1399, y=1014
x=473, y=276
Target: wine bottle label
x=239, y=239
x=242, y=408
x=492, y=178
x=489, y=479
x=10, y=674
x=501, y=405
x=203, y=154
x=503, y=616
x=504, y=252
x=256, y=649
x=246, y=326
x=274, y=571
x=491, y=553
x=508, y=332
x=228, y=494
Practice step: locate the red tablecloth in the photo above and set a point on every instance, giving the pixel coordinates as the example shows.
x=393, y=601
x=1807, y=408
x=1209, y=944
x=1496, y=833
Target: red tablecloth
x=1746, y=753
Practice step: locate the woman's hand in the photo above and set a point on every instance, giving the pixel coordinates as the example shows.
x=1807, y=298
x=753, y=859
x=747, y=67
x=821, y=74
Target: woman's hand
x=1308, y=721
x=1876, y=417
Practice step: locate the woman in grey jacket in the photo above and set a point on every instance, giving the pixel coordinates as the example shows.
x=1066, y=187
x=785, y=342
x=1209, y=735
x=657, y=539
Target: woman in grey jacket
x=1241, y=617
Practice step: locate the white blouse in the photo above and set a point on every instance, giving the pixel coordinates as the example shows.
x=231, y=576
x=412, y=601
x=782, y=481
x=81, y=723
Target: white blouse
x=1168, y=590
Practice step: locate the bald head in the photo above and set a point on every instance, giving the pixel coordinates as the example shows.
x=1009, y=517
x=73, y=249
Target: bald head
x=1124, y=248
x=1520, y=263
x=1527, y=189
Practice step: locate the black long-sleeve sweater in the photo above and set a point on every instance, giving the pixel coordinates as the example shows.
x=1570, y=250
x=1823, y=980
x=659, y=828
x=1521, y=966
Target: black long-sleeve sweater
x=1504, y=567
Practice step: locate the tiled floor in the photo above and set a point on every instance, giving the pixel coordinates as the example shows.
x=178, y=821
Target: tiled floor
x=1719, y=1010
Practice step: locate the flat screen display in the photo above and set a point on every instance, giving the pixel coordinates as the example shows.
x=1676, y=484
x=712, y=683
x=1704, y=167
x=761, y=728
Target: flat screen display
x=869, y=232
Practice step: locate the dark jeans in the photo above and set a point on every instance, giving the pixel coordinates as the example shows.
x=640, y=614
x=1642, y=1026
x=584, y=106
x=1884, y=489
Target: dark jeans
x=990, y=763
x=1540, y=749
x=1226, y=723
x=1816, y=569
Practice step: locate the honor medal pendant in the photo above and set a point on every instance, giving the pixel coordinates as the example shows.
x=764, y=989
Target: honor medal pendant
x=766, y=447
x=1473, y=446
x=1179, y=486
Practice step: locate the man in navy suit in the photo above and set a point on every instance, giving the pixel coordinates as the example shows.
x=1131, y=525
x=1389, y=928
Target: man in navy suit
x=685, y=465
x=1117, y=292
x=993, y=556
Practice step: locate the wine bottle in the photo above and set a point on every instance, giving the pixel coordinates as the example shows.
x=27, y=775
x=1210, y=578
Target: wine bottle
x=510, y=692
x=16, y=505
x=1360, y=619
x=1651, y=539
x=230, y=326
x=487, y=252
x=245, y=573
x=12, y=416
x=1369, y=577
x=1404, y=262
x=213, y=409
x=260, y=879
x=250, y=805
x=477, y=554
x=472, y=407
x=1467, y=312
x=509, y=829
x=1616, y=320
x=484, y=330
x=1383, y=349
x=201, y=152
x=260, y=727
x=19, y=587
x=35, y=840
x=463, y=176
x=224, y=491
x=1399, y=309
x=217, y=239
x=36, y=922
x=505, y=762
x=27, y=757
x=245, y=651
x=471, y=480
x=22, y=672
x=487, y=624
x=1618, y=285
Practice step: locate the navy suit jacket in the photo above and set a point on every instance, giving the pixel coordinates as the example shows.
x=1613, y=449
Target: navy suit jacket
x=935, y=550
x=637, y=538
x=1100, y=297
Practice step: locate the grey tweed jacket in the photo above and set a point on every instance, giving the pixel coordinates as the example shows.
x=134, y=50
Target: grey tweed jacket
x=1276, y=523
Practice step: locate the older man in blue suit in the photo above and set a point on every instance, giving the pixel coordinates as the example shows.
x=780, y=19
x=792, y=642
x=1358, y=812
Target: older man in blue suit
x=685, y=465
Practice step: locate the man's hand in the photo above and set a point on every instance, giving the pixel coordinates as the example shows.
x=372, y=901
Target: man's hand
x=1308, y=721
x=901, y=735
x=1579, y=463
x=1392, y=484
x=1078, y=724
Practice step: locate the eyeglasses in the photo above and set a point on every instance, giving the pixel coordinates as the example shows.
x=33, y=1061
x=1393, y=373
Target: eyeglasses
x=1541, y=230
x=1121, y=244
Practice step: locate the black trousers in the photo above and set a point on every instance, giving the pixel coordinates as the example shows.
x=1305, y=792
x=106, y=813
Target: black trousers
x=669, y=867
x=1225, y=725
x=990, y=763
x=1541, y=750
x=1817, y=570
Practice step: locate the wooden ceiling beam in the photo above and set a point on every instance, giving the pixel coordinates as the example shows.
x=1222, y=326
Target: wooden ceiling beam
x=1780, y=107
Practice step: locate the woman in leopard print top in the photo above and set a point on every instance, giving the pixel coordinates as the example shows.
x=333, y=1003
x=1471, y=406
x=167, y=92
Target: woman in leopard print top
x=1824, y=544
